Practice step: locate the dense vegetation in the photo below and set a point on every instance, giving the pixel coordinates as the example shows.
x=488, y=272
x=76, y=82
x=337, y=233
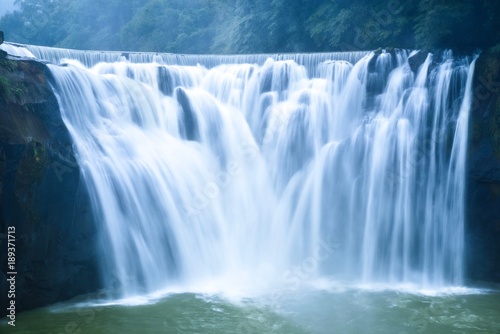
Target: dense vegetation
x=242, y=26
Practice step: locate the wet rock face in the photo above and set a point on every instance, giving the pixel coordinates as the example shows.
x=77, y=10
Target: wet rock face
x=41, y=193
x=483, y=200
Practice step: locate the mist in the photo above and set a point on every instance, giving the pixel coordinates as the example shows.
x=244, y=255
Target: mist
x=6, y=6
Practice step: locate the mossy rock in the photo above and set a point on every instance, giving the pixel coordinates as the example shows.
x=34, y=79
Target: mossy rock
x=32, y=165
x=23, y=82
x=51, y=210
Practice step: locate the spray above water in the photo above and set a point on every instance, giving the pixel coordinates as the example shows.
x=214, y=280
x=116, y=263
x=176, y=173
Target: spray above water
x=239, y=170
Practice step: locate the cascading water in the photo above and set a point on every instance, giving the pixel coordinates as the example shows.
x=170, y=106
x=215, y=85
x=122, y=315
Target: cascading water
x=240, y=172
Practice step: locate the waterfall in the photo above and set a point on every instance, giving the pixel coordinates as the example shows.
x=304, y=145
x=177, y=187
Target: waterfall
x=16, y=50
x=245, y=167
x=90, y=58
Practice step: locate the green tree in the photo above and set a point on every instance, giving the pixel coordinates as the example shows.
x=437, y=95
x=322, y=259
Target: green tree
x=36, y=22
x=242, y=26
x=245, y=28
x=287, y=26
x=438, y=23
x=331, y=26
x=170, y=26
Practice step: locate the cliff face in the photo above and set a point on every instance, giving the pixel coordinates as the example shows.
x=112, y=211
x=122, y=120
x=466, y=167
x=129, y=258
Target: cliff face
x=483, y=200
x=42, y=193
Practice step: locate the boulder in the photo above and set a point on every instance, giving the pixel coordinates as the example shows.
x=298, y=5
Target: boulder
x=42, y=194
x=417, y=60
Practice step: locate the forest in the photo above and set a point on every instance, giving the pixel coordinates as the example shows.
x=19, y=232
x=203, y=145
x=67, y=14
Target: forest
x=259, y=26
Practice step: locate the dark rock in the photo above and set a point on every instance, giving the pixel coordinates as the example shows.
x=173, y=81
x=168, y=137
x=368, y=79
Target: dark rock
x=42, y=194
x=189, y=123
x=165, y=80
x=483, y=197
x=417, y=60
x=1, y=37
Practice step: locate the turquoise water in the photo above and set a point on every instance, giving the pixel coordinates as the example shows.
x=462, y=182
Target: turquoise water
x=308, y=311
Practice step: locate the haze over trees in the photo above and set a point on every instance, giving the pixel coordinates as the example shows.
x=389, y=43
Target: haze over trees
x=241, y=26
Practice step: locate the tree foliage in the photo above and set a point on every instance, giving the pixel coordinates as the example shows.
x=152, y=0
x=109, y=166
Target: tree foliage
x=242, y=26
x=170, y=26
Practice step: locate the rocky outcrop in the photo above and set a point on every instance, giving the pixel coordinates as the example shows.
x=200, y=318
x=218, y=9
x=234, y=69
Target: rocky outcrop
x=483, y=198
x=42, y=194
